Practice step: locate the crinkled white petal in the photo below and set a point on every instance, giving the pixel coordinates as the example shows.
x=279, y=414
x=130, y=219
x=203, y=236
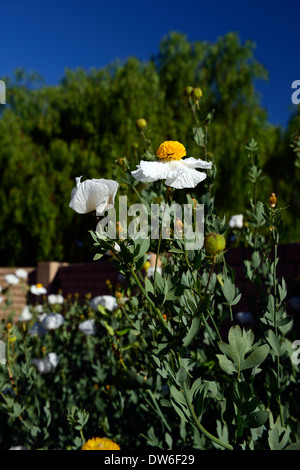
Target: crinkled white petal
x=47, y=364
x=88, y=327
x=55, y=299
x=192, y=162
x=11, y=279
x=21, y=273
x=94, y=194
x=236, y=221
x=178, y=174
x=188, y=179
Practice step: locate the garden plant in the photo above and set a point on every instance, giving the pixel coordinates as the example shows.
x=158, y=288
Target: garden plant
x=164, y=361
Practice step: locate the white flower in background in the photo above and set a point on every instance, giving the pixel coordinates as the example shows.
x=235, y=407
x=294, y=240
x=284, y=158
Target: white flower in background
x=11, y=279
x=236, y=221
x=38, y=308
x=55, y=299
x=38, y=289
x=21, y=273
x=47, y=364
x=26, y=314
x=94, y=194
x=18, y=448
x=88, y=327
x=151, y=269
x=52, y=321
x=37, y=330
x=108, y=301
x=171, y=167
x=1, y=300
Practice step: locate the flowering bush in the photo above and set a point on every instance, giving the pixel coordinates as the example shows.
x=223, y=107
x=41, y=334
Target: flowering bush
x=166, y=360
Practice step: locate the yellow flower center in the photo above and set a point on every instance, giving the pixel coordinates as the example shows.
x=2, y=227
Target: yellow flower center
x=39, y=286
x=171, y=150
x=100, y=443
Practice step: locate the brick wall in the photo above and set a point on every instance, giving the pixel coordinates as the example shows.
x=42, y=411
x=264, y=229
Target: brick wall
x=288, y=267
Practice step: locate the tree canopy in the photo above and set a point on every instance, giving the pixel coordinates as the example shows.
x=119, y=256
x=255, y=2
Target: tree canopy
x=51, y=134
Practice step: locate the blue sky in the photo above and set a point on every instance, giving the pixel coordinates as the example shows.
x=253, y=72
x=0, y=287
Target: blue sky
x=48, y=36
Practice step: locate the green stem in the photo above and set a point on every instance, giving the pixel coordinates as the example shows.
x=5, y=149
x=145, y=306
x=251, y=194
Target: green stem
x=276, y=329
x=199, y=425
x=152, y=304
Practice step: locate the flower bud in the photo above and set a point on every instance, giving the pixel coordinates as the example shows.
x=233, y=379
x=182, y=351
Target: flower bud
x=146, y=265
x=214, y=243
x=141, y=124
x=273, y=200
x=196, y=94
x=188, y=91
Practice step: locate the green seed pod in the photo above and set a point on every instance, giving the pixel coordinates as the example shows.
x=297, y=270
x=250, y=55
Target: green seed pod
x=196, y=94
x=214, y=243
x=188, y=91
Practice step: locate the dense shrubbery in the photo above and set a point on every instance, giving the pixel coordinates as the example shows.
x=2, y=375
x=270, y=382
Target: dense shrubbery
x=169, y=364
x=50, y=134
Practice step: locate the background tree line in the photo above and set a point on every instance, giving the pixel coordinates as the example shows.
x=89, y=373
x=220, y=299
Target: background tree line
x=51, y=134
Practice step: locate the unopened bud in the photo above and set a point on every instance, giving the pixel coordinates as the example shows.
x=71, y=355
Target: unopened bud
x=141, y=124
x=178, y=225
x=146, y=265
x=214, y=243
x=196, y=94
x=273, y=200
x=119, y=228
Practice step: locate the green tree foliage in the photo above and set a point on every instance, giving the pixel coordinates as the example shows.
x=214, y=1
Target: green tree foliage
x=51, y=134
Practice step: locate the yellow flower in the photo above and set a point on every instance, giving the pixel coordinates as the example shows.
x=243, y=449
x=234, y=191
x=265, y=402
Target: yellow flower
x=171, y=150
x=100, y=443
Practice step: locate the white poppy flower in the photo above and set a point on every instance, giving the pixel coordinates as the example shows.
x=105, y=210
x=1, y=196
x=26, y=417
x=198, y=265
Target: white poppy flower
x=11, y=279
x=94, y=194
x=38, y=289
x=21, y=273
x=151, y=269
x=176, y=172
x=236, y=221
x=108, y=301
x=55, y=299
x=37, y=330
x=88, y=327
x=47, y=364
x=26, y=314
x=52, y=321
